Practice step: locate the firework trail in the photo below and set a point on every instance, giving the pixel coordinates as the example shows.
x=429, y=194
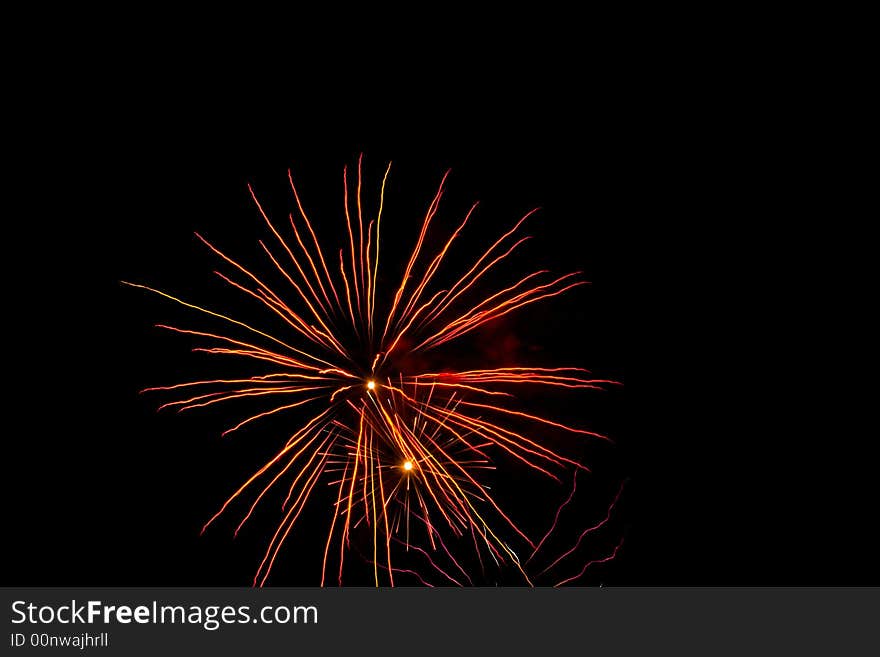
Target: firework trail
x=404, y=450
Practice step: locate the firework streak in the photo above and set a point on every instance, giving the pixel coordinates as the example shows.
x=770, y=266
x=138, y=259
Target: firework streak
x=403, y=451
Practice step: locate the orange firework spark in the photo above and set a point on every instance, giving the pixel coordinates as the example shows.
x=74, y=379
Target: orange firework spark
x=404, y=450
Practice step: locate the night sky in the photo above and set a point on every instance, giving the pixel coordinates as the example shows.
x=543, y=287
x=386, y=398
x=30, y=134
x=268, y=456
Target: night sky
x=105, y=491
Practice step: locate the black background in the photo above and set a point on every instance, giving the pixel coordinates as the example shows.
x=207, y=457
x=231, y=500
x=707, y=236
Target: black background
x=113, y=179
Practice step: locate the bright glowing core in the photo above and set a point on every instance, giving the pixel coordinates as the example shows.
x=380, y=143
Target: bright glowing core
x=371, y=385
x=407, y=466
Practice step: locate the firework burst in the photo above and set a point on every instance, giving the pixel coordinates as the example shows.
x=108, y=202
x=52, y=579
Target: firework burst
x=405, y=451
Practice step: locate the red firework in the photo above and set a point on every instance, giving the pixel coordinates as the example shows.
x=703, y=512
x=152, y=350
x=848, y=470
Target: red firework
x=404, y=450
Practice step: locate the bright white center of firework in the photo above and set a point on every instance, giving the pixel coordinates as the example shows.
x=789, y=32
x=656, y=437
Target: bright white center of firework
x=371, y=385
x=407, y=465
